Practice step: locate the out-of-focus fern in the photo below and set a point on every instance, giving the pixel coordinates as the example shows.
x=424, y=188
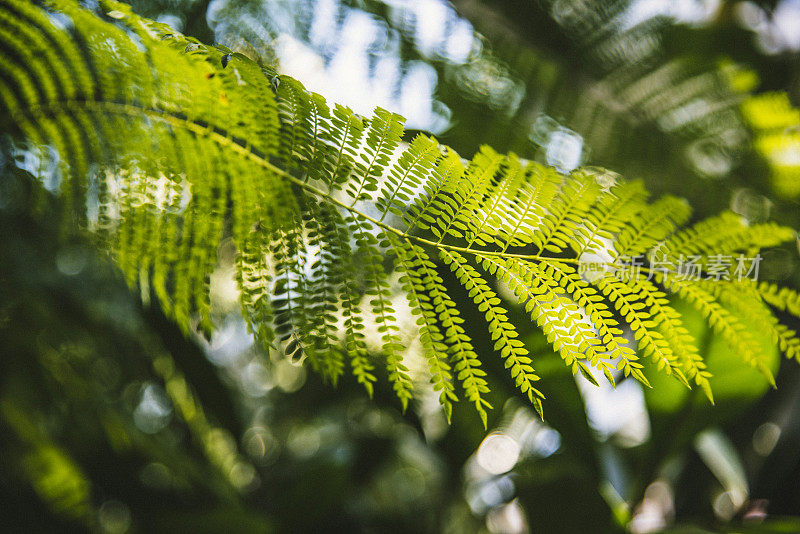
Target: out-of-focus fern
x=164, y=146
x=776, y=138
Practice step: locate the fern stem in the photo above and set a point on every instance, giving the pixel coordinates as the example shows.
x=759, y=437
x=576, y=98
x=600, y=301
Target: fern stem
x=248, y=151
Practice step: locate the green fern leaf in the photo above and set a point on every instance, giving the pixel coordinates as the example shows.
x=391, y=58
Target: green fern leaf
x=382, y=138
x=503, y=334
x=446, y=175
x=783, y=298
x=528, y=210
x=165, y=147
x=407, y=175
x=466, y=364
x=651, y=226
x=721, y=321
x=409, y=260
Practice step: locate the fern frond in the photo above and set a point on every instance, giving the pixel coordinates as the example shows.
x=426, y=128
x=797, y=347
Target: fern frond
x=783, y=298
x=502, y=332
x=382, y=138
x=725, y=234
x=203, y=228
x=260, y=100
x=379, y=294
x=744, y=300
x=458, y=210
x=407, y=175
x=354, y=337
x=290, y=300
x=722, y=321
x=628, y=303
x=416, y=284
x=445, y=176
x=610, y=215
x=466, y=364
x=651, y=226
x=680, y=340
x=529, y=206
x=346, y=132
x=165, y=147
x=567, y=211
x=254, y=278
x=556, y=315
x=295, y=112
x=327, y=273
x=495, y=211
x=612, y=343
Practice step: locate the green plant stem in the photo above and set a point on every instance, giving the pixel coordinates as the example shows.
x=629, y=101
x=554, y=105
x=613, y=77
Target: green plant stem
x=246, y=151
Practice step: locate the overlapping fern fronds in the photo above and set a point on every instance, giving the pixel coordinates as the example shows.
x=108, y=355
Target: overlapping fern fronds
x=164, y=147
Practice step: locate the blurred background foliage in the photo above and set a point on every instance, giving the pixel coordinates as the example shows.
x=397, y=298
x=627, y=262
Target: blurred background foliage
x=112, y=420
